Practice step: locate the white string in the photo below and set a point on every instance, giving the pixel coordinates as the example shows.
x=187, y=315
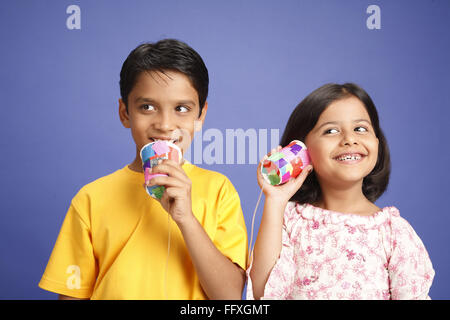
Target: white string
x=167, y=258
x=253, y=223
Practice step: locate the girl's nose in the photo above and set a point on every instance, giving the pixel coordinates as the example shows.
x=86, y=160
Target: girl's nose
x=349, y=139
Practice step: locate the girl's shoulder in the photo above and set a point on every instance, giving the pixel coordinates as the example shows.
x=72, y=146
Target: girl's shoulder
x=387, y=215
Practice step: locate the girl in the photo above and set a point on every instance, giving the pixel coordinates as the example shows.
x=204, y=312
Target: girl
x=321, y=235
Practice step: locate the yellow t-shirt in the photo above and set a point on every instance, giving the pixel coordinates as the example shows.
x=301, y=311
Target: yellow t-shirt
x=113, y=243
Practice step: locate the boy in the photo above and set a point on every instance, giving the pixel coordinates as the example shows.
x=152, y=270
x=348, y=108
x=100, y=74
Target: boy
x=114, y=240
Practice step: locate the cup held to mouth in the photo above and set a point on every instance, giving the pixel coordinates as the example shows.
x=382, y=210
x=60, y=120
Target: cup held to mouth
x=150, y=154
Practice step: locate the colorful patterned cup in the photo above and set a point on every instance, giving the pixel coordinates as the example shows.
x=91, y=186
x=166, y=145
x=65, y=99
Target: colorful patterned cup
x=286, y=163
x=150, y=154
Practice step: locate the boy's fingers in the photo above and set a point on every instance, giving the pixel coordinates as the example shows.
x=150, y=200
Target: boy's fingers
x=172, y=169
x=166, y=182
x=171, y=163
x=174, y=193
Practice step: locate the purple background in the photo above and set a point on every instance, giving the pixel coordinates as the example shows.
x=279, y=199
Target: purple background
x=59, y=91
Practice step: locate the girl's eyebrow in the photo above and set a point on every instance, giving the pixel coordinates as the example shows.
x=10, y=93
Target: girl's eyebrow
x=363, y=120
x=328, y=123
x=337, y=122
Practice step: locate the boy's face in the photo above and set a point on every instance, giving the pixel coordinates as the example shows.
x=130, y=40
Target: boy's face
x=162, y=106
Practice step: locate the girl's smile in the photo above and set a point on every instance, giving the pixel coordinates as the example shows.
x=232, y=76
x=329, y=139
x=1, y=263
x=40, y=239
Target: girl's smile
x=350, y=157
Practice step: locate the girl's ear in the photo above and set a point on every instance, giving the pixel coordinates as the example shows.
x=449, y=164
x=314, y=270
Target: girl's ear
x=123, y=114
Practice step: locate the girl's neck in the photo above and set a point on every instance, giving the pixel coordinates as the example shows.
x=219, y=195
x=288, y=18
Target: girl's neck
x=346, y=200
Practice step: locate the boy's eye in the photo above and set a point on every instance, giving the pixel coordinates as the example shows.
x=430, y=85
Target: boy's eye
x=182, y=109
x=148, y=107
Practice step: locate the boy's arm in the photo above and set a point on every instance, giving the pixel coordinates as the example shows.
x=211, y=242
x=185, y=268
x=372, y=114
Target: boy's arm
x=219, y=277
x=63, y=297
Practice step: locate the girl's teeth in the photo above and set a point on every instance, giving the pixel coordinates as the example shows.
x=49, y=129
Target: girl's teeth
x=349, y=157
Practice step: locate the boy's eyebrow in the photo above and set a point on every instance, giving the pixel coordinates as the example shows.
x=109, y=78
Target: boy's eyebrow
x=149, y=100
x=186, y=102
x=143, y=99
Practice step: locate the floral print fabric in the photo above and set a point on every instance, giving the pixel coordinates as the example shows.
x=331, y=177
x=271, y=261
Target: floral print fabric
x=332, y=255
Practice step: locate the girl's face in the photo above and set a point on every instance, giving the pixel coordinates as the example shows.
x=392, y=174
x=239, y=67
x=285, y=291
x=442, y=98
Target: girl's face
x=343, y=145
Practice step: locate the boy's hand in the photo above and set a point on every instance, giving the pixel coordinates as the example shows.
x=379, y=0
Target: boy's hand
x=281, y=193
x=176, y=199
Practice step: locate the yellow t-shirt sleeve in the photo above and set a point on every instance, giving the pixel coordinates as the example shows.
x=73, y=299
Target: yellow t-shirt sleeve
x=71, y=269
x=231, y=234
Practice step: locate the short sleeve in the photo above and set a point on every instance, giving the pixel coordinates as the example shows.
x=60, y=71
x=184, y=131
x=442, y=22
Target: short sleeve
x=281, y=277
x=231, y=235
x=410, y=270
x=71, y=269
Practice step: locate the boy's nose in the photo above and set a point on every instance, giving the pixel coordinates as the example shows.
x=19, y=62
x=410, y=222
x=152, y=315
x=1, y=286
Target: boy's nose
x=164, y=122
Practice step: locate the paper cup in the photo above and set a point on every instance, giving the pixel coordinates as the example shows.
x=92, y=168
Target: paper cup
x=286, y=163
x=151, y=153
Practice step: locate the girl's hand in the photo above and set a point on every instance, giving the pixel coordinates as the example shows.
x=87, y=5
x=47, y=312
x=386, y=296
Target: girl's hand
x=176, y=199
x=281, y=193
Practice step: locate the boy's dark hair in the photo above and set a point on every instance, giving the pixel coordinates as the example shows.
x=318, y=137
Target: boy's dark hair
x=164, y=55
x=304, y=118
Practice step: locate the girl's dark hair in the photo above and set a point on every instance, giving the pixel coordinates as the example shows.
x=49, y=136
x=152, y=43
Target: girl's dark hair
x=304, y=118
x=167, y=54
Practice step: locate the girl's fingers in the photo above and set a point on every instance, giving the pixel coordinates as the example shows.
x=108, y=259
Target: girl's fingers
x=278, y=148
x=298, y=181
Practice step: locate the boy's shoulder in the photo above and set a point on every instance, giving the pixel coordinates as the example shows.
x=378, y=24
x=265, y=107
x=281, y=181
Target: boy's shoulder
x=207, y=178
x=109, y=182
x=202, y=173
x=126, y=178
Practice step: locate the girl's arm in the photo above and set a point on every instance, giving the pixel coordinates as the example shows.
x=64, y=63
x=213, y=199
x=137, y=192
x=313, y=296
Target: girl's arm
x=268, y=245
x=268, y=242
x=410, y=270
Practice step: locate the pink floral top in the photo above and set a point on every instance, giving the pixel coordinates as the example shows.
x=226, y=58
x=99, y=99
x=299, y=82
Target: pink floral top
x=332, y=255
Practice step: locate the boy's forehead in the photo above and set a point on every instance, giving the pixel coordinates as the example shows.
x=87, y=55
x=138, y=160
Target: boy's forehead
x=168, y=84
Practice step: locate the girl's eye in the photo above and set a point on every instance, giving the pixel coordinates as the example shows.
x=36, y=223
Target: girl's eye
x=182, y=109
x=330, y=131
x=148, y=107
x=361, y=129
